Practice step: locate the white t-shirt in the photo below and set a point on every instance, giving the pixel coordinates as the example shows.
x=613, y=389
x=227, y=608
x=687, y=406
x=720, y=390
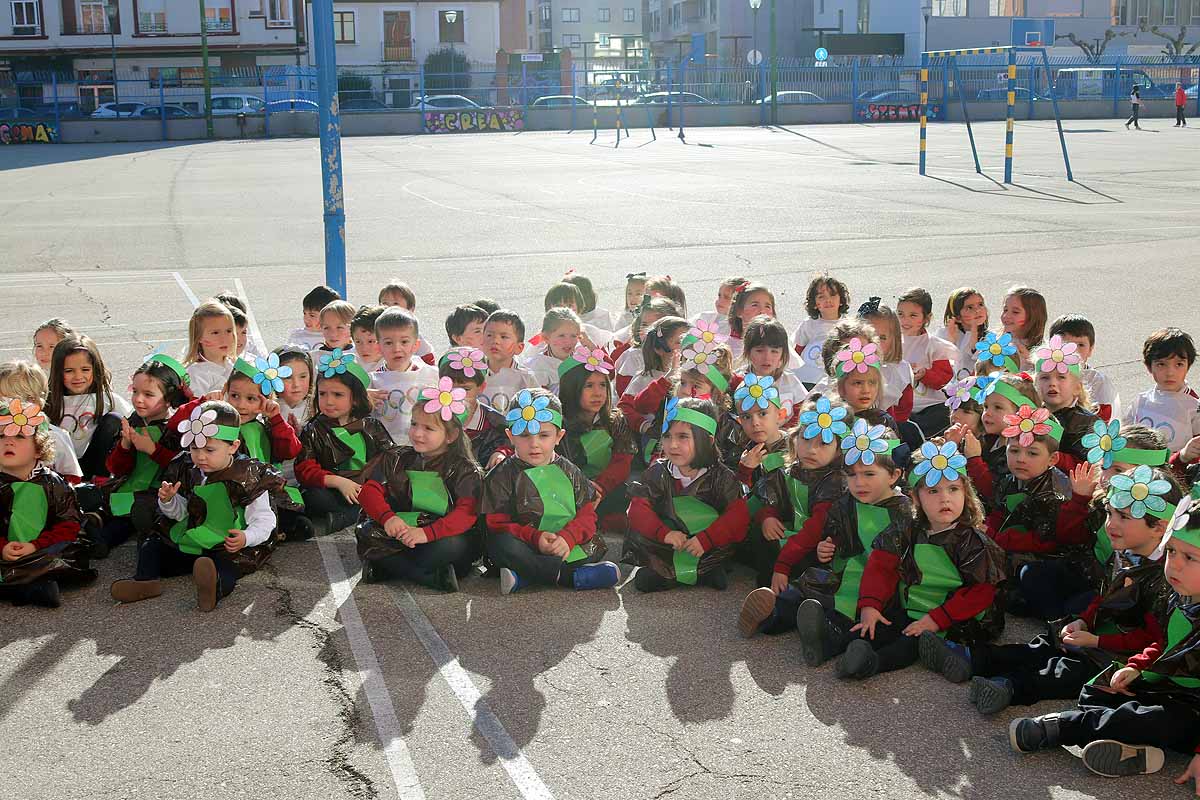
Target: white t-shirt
x=65, y=462
x=299, y=413
x=791, y=391
x=505, y=384
x=306, y=339
x=79, y=417
x=208, y=376
x=602, y=318
x=897, y=377
x=404, y=389
x=1174, y=414
x=631, y=363
x=1102, y=390
x=920, y=352
x=808, y=340
x=623, y=320
x=545, y=369
x=964, y=367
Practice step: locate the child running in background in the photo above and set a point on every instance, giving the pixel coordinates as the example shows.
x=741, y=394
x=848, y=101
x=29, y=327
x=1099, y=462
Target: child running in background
x=826, y=301
x=46, y=337
x=81, y=401
x=503, y=339
x=719, y=316
x=212, y=345
x=932, y=360
x=1078, y=330
x=309, y=336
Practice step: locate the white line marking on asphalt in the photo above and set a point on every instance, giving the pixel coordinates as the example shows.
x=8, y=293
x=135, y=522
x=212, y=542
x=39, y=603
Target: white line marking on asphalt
x=404, y=774
x=251, y=322
x=187, y=290
x=511, y=758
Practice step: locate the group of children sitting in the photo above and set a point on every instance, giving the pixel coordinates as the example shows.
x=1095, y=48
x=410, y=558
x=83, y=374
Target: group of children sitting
x=895, y=492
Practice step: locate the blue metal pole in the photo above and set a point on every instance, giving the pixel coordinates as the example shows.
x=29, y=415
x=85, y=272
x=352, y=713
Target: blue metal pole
x=854, y=82
x=962, y=101
x=331, y=146
x=1062, y=140
x=1008, y=127
x=267, y=111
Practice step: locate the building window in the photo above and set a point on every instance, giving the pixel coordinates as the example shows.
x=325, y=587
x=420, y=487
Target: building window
x=25, y=18
x=629, y=15
x=218, y=18
x=1006, y=8
x=949, y=8
x=530, y=21
x=571, y=40
x=603, y=15
x=605, y=40
x=279, y=13
x=1170, y=12
x=343, y=27
x=546, y=13
x=451, y=27
x=92, y=17
x=570, y=15
x=1196, y=12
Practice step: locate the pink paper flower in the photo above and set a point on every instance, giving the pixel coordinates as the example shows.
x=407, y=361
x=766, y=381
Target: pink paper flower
x=707, y=332
x=469, y=362
x=1025, y=424
x=444, y=399
x=1057, y=355
x=592, y=360
x=21, y=419
x=857, y=357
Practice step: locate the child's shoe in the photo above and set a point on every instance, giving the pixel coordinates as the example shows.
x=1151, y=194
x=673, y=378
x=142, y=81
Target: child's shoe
x=44, y=594
x=990, y=695
x=950, y=659
x=756, y=609
x=509, y=581
x=446, y=579
x=370, y=572
x=860, y=661
x=717, y=579
x=204, y=575
x=1030, y=734
x=817, y=633
x=1113, y=759
x=303, y=529
x=647, y=580
x=131, y=591
x=601, y=575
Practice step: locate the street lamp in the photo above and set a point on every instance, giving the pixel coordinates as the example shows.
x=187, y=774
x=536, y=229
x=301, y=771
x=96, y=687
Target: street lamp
x=112, y=11
x=451, y=16
x=754, y=6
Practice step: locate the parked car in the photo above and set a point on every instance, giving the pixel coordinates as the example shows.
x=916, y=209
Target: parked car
x=1000, y=95
x=304, y=106
x=362, y=104
x=1084, y=83
x=227, y=105
x=682, y=98
x=114, y=110
x=896, y=97
x=18, y=112
x=172, y=112
x=444, y=102
x=792, y=98
x=559, y=101
x=67, y=109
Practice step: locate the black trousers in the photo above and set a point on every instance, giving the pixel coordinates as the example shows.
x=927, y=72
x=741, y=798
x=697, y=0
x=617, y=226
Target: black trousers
x=895, y=650
x=1179, y=117
x=1037, y=670
x=1133, y=119
x=156, y=559
x=422, y=563
x=759, y=553
x=509, y=552
x=1054, y=588
x=1155, y=720
x=328, y=501
x=104, y=438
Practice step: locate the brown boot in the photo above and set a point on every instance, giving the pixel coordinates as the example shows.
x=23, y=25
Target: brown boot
x=204, y=575
x=131, y=591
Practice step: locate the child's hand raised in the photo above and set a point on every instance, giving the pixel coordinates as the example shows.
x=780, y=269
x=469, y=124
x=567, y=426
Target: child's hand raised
x=142, y=441
x=955, y=433
x=269, y=408
x=1191, y=451
x=676, y=539
x=126, y=429
x=1085, y=478
x=496, y=458
x=217, y=395
x=925, y=623
x=868, y=619
x=772, y=529
x=826, y=550
x=167, y=491
x=971, y=447
x=235, y=541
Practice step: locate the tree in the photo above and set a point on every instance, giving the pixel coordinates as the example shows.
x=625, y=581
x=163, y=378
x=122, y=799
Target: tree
x=1175, y=45
x=447, y=70
x=1094, y=49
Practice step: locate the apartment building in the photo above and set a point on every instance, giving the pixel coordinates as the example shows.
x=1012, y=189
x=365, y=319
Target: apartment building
x=601, y=34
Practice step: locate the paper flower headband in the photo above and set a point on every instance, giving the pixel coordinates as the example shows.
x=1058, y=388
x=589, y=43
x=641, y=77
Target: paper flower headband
x=701, y=357
x=857, y=357
x=339, y=363
x=266, y=373
x=675, y=413
x=1029, y=422
x=999, y=350
x=863, y=443
x=1058, y=356
x=758, y=392
x=1107, y=446
x=824, y=421
x=939, y=464
x=529, y=413
x=1141, y=493
x=19, y=418
x=470, y=361
x=959, y=392
x=175, y=366
x=445, y=400
x=1178, y=526
x=592, y=360
x=202, y=426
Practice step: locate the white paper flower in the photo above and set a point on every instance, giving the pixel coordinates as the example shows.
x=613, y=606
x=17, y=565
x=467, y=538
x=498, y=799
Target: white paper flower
x=198, y=428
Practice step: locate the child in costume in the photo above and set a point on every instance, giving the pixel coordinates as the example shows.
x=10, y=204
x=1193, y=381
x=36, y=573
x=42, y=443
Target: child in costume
x=295, y=401
x=215, y=518
x=719, y=316
x=859, y=382
x=1060, y=385
x=932, y=359
x=793, y=505
x=750, y=300
x=1079, y=330
x=540, y=508
x=335, y=327
x=394, y=388
x=26, y=381
x=1024, y=319
x=941, y=576
x=627, y=353
x=81, y=400
x=999, y=395
x=657, y=352
x=1120, y=622
x=38, y=512
x=362, y=334
x=826, y=301
x=1171, y=406
x=422, y=500
x=465, y=326
x=761, y=416
x=309, y=336
x=339, y=445
x=871, y=507
x=765, y=349
x=965, y=322
x=1128, y=714
x=467, y=369
x=212, y=346
x=688, y=511
x=897, y=398
x=46, y=337
x=503, y=339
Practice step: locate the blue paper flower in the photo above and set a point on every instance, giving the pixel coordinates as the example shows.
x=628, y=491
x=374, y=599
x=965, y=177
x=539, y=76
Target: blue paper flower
x=270, y=375
x=985, y=385
x=995, y=349
x=671, y=412
x=1140, y=492
x=1104, y=441
x=756, y=391
x=334, y=363
x=528, y=414
x=825, y=421
x=940, y=464
x=862, y=443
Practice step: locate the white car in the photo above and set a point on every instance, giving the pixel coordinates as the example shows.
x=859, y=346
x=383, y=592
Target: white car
x=227, y=105
x=439, y=102
x=114, y=110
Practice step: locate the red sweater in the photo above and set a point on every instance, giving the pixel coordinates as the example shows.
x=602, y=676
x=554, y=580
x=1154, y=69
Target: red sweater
x=903, y=408
x=938, y=374
x=803, y=542
x=727, y=529
x=1134, y=641
x=616, y=473
x=1070, y=528
x=576, y=532
x=120, y=462
x=460, y=518
x=64, y=531
x=981, y=476
x=284, y=444
x=882, y=576
x=645, y=404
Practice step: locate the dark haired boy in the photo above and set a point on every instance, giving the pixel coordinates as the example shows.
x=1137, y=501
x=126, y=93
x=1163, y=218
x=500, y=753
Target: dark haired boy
x=1101, y=388
x=396, y=386
x=310, y=335
x=1171, y=407
x=503, y=340
x=464, y=326
x=362, y=333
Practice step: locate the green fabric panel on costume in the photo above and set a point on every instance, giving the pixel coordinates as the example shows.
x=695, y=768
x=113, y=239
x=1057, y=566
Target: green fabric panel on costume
x=256, y=441
x=30, y=511
x=409, y=517
x=428, y=492
x=145, y=473
x=597, y=448
x=651, y=446
x=1013, y=500
x=939, y=578
x=1103, y=547
x=356, y=442
x=219, y=518
x=871, y=522
x=1178, y=627
x=798, y=492
x=772, y=462
x=576, y=554
x=695, y=515
x=557, y=494
x=294, y=494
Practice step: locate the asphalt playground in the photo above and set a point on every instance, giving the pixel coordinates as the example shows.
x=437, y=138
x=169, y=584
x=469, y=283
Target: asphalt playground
x=306, y=684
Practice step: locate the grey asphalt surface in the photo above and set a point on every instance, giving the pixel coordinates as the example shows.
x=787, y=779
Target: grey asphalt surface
x=599, y=694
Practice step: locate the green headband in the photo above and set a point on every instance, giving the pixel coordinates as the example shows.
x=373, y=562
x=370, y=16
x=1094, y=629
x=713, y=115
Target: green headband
x=173, y=365
x=1141, y=493
x=227, y=433
x=692, y=417
x=1010, y=393
x=1151, y=458
x=245, y=367
x=1073, y=368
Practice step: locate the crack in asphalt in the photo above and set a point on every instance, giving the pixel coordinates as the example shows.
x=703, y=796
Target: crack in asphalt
x=46, y=258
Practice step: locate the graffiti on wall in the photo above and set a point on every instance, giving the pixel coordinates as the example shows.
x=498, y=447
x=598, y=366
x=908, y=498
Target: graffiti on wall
x=482, y=120
x=897, y=112
x=27, y=133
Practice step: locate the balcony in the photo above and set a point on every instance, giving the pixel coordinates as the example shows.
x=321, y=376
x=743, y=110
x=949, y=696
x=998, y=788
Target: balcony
x=32, y=31
x=83, y=27
x=398, y=52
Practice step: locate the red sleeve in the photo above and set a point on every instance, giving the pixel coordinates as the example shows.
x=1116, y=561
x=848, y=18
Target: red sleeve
x=994, y=521
x=938, y=374
x=503, y=523
x=1089, y=614
x=649, y=400
x=1104, y=411
x=1145, y=659
x=1136, y=640
x=1019, y=540
x=616, y=473
x=1071, y=525
x=745, y=474
x=763, y=514
x=618, y=350
x=373, y=499
x=65, y=531
x=457, y=522
x=1066, y=462
x=623, y=384
x=644, y=521
x=981, y=476
x=583, y=527
x=429, y=359
x=309, y=473
x=803, y=541
x=965, y=603
x=284, y=444
x=729, y=528
x=879, y=581
x=903, y=408
x=120, y=462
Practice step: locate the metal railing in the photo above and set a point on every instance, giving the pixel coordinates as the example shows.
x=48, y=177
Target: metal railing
x=398, y=51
